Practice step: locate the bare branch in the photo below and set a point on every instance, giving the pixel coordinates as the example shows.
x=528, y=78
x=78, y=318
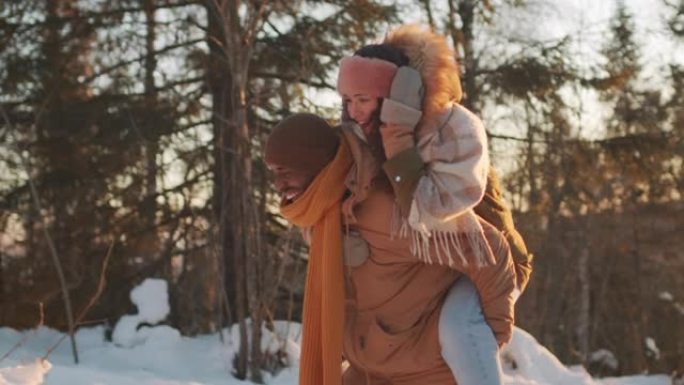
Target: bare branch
x=140, y=58
x=267, y=75
x=100, y=288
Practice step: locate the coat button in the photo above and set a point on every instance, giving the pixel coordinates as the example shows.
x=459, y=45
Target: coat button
x=397, y=178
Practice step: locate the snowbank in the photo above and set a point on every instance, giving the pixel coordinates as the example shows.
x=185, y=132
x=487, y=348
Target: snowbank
x=159, y=355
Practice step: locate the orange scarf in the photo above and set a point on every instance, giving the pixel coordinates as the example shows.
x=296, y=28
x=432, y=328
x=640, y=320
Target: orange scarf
x=323, y=314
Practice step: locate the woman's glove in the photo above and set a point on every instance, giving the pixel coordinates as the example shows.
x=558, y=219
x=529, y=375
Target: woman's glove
x=407, y=88
x=401, y=111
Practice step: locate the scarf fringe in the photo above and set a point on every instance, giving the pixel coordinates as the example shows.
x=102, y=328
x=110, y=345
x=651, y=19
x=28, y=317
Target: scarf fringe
x=448, y=246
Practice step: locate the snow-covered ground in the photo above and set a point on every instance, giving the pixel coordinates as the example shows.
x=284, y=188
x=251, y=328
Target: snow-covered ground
x=159, y=355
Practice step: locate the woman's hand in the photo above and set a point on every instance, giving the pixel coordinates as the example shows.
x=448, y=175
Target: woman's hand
x=407, y=88
x=400, y=112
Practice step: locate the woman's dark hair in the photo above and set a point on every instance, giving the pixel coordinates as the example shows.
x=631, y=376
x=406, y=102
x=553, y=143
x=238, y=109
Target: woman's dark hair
x=384, y=52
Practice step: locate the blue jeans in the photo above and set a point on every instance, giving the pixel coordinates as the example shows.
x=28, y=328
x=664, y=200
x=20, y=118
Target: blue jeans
x=468, y=343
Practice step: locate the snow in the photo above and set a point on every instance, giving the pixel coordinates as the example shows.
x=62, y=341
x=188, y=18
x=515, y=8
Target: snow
x=536, y=365
x=651, y=348
x=665, y=296
x=604, y=357
x=679, y=307
x=152, y=299
x=160, y=355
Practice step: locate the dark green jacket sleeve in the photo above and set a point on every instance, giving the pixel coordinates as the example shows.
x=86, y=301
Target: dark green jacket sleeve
x=404, y=170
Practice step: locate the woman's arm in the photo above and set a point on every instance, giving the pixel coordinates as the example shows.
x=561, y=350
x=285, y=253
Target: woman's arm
x=444, y=174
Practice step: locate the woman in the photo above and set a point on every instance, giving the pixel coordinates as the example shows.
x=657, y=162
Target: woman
x=434, y=155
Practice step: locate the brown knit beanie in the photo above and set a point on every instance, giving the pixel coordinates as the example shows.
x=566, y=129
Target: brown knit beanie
x=303, y=142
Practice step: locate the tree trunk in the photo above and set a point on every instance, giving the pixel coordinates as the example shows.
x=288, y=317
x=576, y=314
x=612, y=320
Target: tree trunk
x=3, y=305
x=639, y=323
x=220, y=83
x=463, y=43
x=231, y=37
x=239, y=190
x=61, y=224
x=583, y=313
x=151, y=140
x=428, y=12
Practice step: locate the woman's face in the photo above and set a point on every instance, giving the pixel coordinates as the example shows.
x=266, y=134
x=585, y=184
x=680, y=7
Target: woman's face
x=360, y=108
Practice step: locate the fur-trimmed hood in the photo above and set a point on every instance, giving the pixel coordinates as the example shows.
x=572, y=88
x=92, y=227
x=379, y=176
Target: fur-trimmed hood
x=429, y=53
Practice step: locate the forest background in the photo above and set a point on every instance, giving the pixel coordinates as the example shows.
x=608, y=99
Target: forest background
x=131, y=136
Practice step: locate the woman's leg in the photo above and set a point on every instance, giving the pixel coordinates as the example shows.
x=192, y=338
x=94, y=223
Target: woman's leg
x=468, y=344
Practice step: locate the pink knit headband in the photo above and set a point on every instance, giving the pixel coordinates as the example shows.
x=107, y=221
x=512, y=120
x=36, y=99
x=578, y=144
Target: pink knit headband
x=360, y=75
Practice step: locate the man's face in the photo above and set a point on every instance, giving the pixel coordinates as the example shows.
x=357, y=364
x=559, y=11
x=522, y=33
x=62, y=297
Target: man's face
x=289, y=182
